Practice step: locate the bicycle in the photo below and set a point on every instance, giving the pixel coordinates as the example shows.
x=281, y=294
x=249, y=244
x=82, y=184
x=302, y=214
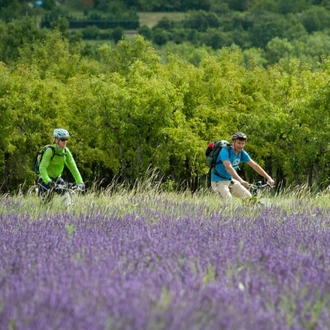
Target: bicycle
x=63, y=190
x=66, y=191
x=256, y=190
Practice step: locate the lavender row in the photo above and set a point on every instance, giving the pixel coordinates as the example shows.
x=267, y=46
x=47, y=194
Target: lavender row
x=161, y=269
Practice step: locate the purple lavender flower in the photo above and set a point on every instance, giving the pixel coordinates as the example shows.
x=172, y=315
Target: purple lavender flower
x=165, y=265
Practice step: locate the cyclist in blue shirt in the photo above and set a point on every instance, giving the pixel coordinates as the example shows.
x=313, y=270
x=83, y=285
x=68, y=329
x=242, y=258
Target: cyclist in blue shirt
x=225, y=179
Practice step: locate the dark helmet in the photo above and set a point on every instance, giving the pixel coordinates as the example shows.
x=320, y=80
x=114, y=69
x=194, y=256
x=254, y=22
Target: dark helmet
x=239, y=136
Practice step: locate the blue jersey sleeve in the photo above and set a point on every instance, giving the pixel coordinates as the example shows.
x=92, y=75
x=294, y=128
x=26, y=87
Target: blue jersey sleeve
x=224, y=154
x=245, y=157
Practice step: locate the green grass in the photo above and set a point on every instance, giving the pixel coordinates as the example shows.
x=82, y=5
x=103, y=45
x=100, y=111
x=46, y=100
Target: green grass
x=151, y=19
x=152, y=194
x=122, y=202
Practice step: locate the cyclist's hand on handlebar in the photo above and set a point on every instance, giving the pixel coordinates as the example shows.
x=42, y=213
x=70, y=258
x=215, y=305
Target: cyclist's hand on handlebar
x=271, y=181
x=245, y=183
x=81, y=186
x=52, y=184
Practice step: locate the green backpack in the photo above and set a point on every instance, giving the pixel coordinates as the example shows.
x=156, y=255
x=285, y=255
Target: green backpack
x=39, y=155
x=211, y=155
x=212, y=152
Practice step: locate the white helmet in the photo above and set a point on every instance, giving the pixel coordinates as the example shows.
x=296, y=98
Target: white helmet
x=61, y=133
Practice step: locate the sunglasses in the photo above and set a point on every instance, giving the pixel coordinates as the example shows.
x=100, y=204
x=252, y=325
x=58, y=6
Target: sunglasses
x=64, y=140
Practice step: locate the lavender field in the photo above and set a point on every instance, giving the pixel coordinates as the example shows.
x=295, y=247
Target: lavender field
x=154, y=262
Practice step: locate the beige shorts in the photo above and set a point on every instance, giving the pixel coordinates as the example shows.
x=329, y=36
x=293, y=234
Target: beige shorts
x=230, y=187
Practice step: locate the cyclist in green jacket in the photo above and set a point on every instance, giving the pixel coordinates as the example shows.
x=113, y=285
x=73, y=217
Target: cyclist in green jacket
x=52, y=165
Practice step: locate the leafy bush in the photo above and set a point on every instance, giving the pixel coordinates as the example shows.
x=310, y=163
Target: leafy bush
x=145, y=31
x=91, y=32
x=160, y=36
x=117, y=34
x=315, y=19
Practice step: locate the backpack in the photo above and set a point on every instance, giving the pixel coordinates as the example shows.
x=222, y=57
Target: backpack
x=211, y=155
x=212, y=152
x=39, y=155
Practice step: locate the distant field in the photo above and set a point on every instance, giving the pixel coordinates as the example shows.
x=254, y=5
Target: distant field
x=151, y=19
x=146, y=18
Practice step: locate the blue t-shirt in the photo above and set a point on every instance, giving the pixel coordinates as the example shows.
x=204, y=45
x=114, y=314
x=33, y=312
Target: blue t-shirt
x=226, y=154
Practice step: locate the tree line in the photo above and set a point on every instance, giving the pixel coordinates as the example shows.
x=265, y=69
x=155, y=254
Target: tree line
x=266, y=37
x=131, y=111
x=266, y=31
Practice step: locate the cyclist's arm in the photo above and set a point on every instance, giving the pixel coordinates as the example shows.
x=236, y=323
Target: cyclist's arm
x=233, y=173
x=71, y=164
x=261, y=171
x=48, y=154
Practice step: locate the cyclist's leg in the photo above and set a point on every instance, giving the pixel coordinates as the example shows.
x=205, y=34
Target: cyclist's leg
x=67, y=199
x=222, y=188
x=65, y=193
x=44, y=191
x=59, y=181
x=239, y=190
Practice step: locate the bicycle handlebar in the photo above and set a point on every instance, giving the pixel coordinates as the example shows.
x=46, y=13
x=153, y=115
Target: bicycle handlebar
x=254, y=188
x=259, y=185
x=69, y=187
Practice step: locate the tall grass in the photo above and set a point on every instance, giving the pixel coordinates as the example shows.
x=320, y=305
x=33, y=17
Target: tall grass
x=150, y=192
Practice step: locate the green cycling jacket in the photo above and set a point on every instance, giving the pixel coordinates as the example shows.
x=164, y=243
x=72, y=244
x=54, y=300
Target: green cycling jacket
x=53, y=168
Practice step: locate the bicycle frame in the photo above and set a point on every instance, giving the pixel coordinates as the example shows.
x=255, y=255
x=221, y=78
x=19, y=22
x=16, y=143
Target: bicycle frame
x=66, y=191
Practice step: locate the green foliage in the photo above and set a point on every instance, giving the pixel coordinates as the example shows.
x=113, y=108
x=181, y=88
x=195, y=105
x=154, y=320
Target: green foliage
x=132, y=110
x=262, y=5
x=160, y=36
x=91, y=32
x=187, y=51
x=315, y=19
x=145, y=31
x=266, y=27
x=252, y=28
x=252, y=25
x=48, y=4
x=117, y=34
x=14, y=34
x=238, y=5
x=292, y=6
x=201, y=21
x=70, y=229
x=9, y=9
x=278, y=48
